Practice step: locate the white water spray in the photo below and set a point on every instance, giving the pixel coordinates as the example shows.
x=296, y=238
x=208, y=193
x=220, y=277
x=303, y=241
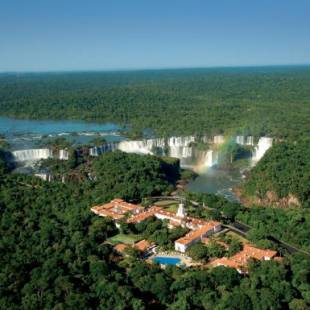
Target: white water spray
x=32, y=154
x=264, y=143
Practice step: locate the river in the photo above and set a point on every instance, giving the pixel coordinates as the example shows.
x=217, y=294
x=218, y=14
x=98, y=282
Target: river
x=217, y=181
x=22, y=134
x=26, y=134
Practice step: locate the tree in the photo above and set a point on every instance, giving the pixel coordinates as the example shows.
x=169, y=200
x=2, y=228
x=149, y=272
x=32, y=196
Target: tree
x=101, y=229
x=125, y=228
x=298, y=304
x=215, y=249
x=236, y=300
x=235, y=246
x=226, y=277
x=230, y=210
x=198, y=251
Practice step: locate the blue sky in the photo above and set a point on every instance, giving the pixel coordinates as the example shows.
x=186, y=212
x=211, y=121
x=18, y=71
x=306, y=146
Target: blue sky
x=42, y=35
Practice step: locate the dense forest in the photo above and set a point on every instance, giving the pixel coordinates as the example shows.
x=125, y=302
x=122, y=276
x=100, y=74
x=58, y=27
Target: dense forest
x=130, y=176
x=54, y=255
x=133, y=176
x=54, y=251
x=283, y=173
x=113, y=174
x=291, y=225
x=259, y=101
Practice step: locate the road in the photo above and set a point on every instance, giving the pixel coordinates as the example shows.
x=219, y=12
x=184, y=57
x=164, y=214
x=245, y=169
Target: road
x=241, y=228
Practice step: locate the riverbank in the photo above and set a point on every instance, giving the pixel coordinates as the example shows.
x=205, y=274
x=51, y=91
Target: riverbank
x=270, y=200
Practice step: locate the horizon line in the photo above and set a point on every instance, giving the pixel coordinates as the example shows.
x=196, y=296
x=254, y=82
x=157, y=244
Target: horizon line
x=150, y=68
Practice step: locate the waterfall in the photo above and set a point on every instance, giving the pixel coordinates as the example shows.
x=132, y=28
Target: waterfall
x=203, y=160
x=250, y=140
x=137, y=146
x=44, y=176
x=179, y=147
x=180, y=141
x=218, y=139
x=98, y=150
x=180, y=151
x=32, y=154
x=211, y=158
x=182, y=148
x=264, y=143
x=240, y=140
x=63, y=154
x=204, y=139
x=38, y=154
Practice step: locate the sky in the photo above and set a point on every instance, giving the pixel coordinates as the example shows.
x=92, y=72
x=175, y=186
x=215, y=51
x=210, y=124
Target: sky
x=60, y=35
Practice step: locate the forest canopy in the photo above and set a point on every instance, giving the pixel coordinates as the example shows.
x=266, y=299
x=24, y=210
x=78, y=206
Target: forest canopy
x=132, y=176
x=54, y=256
x=258, y=101
x=284, y=170
x=55, y=253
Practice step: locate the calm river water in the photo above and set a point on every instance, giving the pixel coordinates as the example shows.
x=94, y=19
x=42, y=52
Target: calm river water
x=28, y=133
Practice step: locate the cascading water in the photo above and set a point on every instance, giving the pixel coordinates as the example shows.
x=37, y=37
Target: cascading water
x=63, y=154
x=243, y=140
x=250, y=140
x=218, y=139
x=138, y=146
x=264, y=143
x=179, y=147
x=98, y=150
x=203, y=160
x=44, y=176
x=32, y=154
x=209, y=159
x=240, y=140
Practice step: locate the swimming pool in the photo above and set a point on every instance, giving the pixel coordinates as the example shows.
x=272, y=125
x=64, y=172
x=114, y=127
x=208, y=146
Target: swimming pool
x=166, y=260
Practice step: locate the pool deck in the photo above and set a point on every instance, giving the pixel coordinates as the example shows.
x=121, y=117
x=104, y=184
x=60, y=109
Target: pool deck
x=184, y=260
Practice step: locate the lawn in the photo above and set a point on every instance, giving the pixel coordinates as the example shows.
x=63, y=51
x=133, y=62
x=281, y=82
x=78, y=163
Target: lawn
x=169, y=205
x=173, y=208
x=122, y=238
x=165, y=203
x=236, y=236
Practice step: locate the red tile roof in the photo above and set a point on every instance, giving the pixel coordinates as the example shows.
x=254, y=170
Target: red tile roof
x=121, y=248
x=143, y=245
x=117, y=208
x=197, y=234
x=143, y=216
x=240, y=260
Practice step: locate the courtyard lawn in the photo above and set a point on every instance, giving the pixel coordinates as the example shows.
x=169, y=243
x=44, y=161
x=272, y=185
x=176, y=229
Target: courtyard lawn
x=169, y=205
x=122, y=238
x=238, y=237
x=165, y=203
x=173, y=208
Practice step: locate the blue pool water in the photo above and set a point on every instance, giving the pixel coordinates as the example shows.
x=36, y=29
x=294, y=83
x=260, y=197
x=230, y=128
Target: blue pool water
x=166, y=260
